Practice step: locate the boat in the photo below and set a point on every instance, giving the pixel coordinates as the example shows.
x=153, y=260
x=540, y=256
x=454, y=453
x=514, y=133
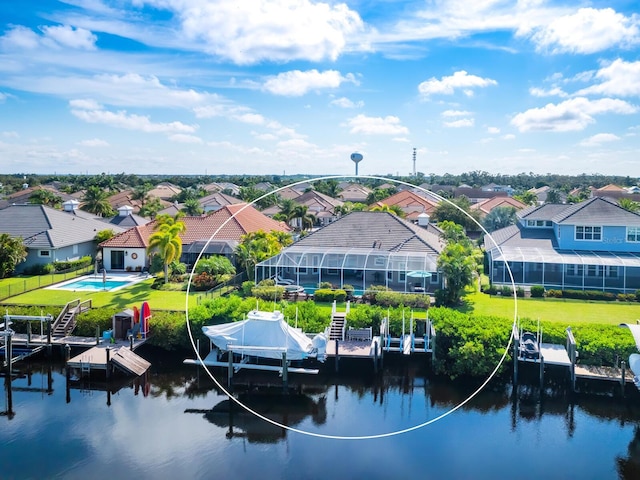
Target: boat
x=264, y=341
x=529, y=347
x=634, y=358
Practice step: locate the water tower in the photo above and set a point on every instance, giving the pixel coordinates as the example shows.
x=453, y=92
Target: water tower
x=356, y=158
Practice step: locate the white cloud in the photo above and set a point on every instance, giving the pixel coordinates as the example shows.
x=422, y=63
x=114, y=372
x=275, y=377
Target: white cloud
x=448, y=85
x=131, y=122
x=66, y=36
x=589, y=30
x=344, y=102
x=552, y=92
x=462, y=123
x=10, y=134
x=570, y=115
x=599, y=139
x=493, y=130
x=618, y=78
x=388, y=125
x=251, y=118
x=183, y=138
x=85, y=104
x=455, y=113
x=53, y=37
x=250, y=32
x=94, y=142
x=297, y=83
x=508, y=136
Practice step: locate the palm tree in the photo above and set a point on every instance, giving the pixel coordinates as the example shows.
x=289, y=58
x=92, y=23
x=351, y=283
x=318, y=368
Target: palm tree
x=392, y=209
x=45, y=197
x=306, y=219
x=192, y=207
x=96, y=201
x=629, y=205
x=167, y=240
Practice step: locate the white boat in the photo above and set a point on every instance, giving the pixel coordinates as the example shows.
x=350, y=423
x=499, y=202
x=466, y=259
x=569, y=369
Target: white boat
x=634, y=358
x=262, y=340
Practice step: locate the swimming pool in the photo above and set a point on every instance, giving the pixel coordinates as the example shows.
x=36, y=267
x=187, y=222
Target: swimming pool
x=96, y=284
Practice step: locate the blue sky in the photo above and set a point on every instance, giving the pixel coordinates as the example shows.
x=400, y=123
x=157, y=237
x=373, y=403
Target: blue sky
x=296, y=86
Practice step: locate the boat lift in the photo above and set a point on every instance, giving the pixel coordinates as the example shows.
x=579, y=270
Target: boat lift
x=408, y=342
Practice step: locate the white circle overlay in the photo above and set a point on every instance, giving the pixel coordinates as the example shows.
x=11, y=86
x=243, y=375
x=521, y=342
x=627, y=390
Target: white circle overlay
x=352, y=437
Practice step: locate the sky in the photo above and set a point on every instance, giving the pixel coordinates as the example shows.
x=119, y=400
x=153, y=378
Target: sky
x=283, y=87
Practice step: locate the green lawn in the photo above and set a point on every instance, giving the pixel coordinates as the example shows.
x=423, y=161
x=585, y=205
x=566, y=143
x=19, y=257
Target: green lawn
x=125, y=298
x=563, y=311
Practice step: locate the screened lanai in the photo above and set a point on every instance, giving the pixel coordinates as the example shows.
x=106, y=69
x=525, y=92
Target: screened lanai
x=582, y=270
x=359, y=267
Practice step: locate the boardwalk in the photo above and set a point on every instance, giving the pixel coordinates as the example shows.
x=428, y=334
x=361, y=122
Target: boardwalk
x=353, y=348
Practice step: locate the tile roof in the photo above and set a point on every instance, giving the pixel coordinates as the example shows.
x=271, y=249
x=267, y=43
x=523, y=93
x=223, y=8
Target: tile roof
x=361, y=229
x=485, y=206
x=247, y=219
x=45, y=227
x=410, y=202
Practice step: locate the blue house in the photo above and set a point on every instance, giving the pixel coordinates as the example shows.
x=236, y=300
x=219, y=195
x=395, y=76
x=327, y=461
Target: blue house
x=592, y=245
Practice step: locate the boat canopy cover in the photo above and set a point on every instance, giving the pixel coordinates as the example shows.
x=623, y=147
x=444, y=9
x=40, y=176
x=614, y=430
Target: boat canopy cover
x=635, y=330
x=262, y=334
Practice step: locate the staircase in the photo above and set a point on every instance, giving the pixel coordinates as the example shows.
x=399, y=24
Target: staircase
x=337, y=327
x=66, y=321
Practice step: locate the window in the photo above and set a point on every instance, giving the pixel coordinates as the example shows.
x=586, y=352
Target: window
x=380, y=261
x=402, y=276
x=593, y=270
x=574, y=270
x=75, y=249
x=588, y=233
x=45, y=253
x=612, y=271
x=633, y=234
x=539, y=223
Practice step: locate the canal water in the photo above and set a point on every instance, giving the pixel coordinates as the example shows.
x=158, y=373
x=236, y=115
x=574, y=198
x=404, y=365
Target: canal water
x=176, y=424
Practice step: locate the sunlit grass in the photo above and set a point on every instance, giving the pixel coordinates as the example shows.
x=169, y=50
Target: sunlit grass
x=565, y=311
x=123, y=298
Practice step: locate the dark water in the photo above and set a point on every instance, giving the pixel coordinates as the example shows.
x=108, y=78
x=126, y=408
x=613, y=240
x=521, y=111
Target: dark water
x=179, y=426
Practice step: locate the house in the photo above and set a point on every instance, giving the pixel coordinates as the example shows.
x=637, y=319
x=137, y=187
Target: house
x=485, y=206
x=227, y=187
x=51, y=235
x=593, y=244
x=355, y=193
x=165, y=191
x=23, y=196
x=320, y=205
x=411, y=204
x=215, y=201
x=124, y=219
x=494, y=187
x=218, y=233
x=361, y=249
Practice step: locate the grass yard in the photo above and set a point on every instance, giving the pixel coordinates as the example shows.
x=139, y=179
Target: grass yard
x=125, y=298
x=564, y=311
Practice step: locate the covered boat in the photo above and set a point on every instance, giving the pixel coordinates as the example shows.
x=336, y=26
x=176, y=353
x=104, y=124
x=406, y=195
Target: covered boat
x=266, y=335
x=634, y=358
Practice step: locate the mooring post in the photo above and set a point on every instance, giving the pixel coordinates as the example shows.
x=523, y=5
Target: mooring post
x=285, y=372
x=67, y=352
x=9, y=353
x=230, y=369
x=541, y=373
x=97, y=335
x=623, y=379
x=337, y=354
x=516, y=348
x=49, y=346
x=131, y=342
x=108, y=352
x=375, y=356
x=28, y=332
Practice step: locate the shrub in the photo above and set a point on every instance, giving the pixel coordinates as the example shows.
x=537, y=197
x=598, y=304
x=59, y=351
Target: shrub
x=554, y=293
x=520, y=292
x=506, y=291
x=626, y=297
x=328, y=296
x=537, y=291
x=247, y=287
x=264, y=292
x=65, y=265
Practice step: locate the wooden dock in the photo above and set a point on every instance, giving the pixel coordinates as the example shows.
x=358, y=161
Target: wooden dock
x=102, y=357
x=353, y=348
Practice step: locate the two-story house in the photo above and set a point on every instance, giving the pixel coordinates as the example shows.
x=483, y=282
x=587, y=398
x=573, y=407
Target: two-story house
x=592, y=245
